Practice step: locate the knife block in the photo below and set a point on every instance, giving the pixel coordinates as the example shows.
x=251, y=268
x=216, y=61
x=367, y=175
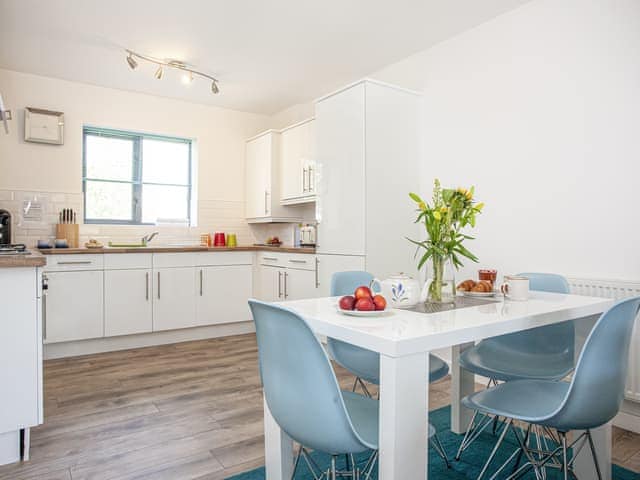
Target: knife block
x=70, y=231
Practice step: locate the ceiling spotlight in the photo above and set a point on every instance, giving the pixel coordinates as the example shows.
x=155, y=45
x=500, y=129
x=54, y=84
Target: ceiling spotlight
x=132, y=62
x=188, y=73
x=187, y=78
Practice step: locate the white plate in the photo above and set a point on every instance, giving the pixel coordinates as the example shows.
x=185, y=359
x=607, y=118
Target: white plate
x=478, y=294
x=358, y=313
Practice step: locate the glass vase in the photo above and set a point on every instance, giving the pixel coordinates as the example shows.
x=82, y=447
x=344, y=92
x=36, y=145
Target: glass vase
x=441, y=280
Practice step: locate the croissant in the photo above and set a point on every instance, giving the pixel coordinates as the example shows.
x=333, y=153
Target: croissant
x=467, y=285
x=482, y=286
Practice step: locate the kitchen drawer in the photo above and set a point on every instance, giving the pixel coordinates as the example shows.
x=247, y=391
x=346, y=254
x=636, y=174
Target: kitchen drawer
x=125, y=261
x=272, y=258
x=300, y=261
x=177, y=259
x=74, y=262
x=206, y=259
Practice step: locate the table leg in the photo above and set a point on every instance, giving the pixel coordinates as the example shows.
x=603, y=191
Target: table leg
x=462, y=384
x=278, y=449
x=584, y=466
x=404, y=416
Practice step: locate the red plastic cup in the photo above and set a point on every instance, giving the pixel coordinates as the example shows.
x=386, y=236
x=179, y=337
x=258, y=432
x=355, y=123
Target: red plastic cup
x=219, y=240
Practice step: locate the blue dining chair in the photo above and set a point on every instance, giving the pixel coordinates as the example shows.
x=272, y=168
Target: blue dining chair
x=302, y=392
x=363, y=363
x=303, y=395
x=544, y=353
x=591, y=399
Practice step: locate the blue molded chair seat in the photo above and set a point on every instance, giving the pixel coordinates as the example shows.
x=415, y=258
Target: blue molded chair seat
x=528, y=400
x=497, y=361
x=363, y=412
x=366, y=364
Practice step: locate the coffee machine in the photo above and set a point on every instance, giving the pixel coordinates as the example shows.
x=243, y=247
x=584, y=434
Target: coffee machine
x=5, y=228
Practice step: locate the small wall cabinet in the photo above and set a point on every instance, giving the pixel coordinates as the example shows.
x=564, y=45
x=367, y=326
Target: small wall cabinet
x=297, y=163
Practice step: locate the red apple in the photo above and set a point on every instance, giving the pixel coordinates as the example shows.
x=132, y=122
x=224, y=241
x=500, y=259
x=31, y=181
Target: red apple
x=365, y=305
x=363, y=292
x=347, y=302
x=379, y=302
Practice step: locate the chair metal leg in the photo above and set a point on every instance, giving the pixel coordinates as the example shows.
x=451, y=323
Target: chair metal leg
x=565, y=462
x=495, y=448
x=473, y=431
x=437, y=446
x=368, y=467
x=593, y=454
x=333, y=467
x=296, y=462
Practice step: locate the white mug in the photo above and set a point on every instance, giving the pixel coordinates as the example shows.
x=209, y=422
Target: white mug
x=515, y=288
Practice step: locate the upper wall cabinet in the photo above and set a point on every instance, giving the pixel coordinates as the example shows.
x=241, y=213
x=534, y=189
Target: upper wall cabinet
x=262, y=189
x=297, y=163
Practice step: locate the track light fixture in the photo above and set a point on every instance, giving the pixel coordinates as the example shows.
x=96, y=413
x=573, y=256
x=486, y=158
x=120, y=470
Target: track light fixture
x=132, y=61
x=189, y=73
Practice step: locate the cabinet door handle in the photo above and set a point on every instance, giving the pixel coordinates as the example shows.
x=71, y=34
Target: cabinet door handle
x=77, y=262
x=146, y=286
x=286, y=289
x=279, y=284
x=158, y=285
x=266, y=210
x=311, y=189
x=200, y=282
x=44, y=316
x=304, y=180
x=317, y=268
x=273, y=259
x=298, y=261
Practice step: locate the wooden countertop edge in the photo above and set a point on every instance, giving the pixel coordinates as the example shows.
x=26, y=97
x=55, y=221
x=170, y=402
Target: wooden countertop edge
x=248, y=248
x=36, y=259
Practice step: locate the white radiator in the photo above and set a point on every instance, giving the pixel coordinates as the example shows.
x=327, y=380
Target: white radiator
x=616, y=290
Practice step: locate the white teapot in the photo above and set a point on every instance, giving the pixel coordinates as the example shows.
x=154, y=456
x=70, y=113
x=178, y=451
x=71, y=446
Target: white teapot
x=400, y=290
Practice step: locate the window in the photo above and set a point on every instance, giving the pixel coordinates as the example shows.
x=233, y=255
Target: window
x=131, y=178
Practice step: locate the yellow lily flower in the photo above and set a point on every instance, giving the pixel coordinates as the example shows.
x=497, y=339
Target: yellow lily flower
x=436, y=215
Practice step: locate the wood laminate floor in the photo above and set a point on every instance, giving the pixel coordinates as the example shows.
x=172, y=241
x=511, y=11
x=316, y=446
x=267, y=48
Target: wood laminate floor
x=185, y=411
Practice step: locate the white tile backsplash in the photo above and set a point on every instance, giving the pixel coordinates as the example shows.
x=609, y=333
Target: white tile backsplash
x=213, y=216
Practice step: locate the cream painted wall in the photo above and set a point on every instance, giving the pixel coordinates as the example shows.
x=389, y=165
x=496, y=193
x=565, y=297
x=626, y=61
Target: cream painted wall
x=539, y=108
x=220, y=136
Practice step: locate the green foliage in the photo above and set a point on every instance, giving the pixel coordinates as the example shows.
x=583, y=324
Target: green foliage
x=444, y=219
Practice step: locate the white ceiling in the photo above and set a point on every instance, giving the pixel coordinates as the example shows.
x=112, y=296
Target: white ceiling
x=268, y=55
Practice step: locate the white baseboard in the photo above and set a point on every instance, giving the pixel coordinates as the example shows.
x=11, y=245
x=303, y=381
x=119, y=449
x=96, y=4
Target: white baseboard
x=627, y=421
x=125, y=342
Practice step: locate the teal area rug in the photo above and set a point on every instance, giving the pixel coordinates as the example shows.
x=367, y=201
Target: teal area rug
x=467, y=468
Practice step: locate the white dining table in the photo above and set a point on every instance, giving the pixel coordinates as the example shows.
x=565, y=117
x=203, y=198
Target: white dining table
x=404, y=339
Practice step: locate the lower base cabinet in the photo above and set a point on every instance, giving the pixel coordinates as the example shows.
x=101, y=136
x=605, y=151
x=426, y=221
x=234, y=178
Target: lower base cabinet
x=73, y=306
x=174, y=298
x=299, y=284
x=222, y=294
x=127, y=302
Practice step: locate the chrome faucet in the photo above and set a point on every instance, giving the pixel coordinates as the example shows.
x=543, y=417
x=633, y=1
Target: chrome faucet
x=147, y=238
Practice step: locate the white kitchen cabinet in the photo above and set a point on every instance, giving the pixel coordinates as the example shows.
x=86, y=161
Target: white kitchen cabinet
x=270, y=283
x=262, y=181
x=128, y=301
x=327, y=265
x=20, y=358
x=368, y=150
x=299, y=284
x=174, y=296
x=297, y=163
x=73, y=306
x=340, y=206
x=222, y=294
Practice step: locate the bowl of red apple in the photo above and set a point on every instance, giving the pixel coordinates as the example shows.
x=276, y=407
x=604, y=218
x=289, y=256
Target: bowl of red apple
x=363, y=303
